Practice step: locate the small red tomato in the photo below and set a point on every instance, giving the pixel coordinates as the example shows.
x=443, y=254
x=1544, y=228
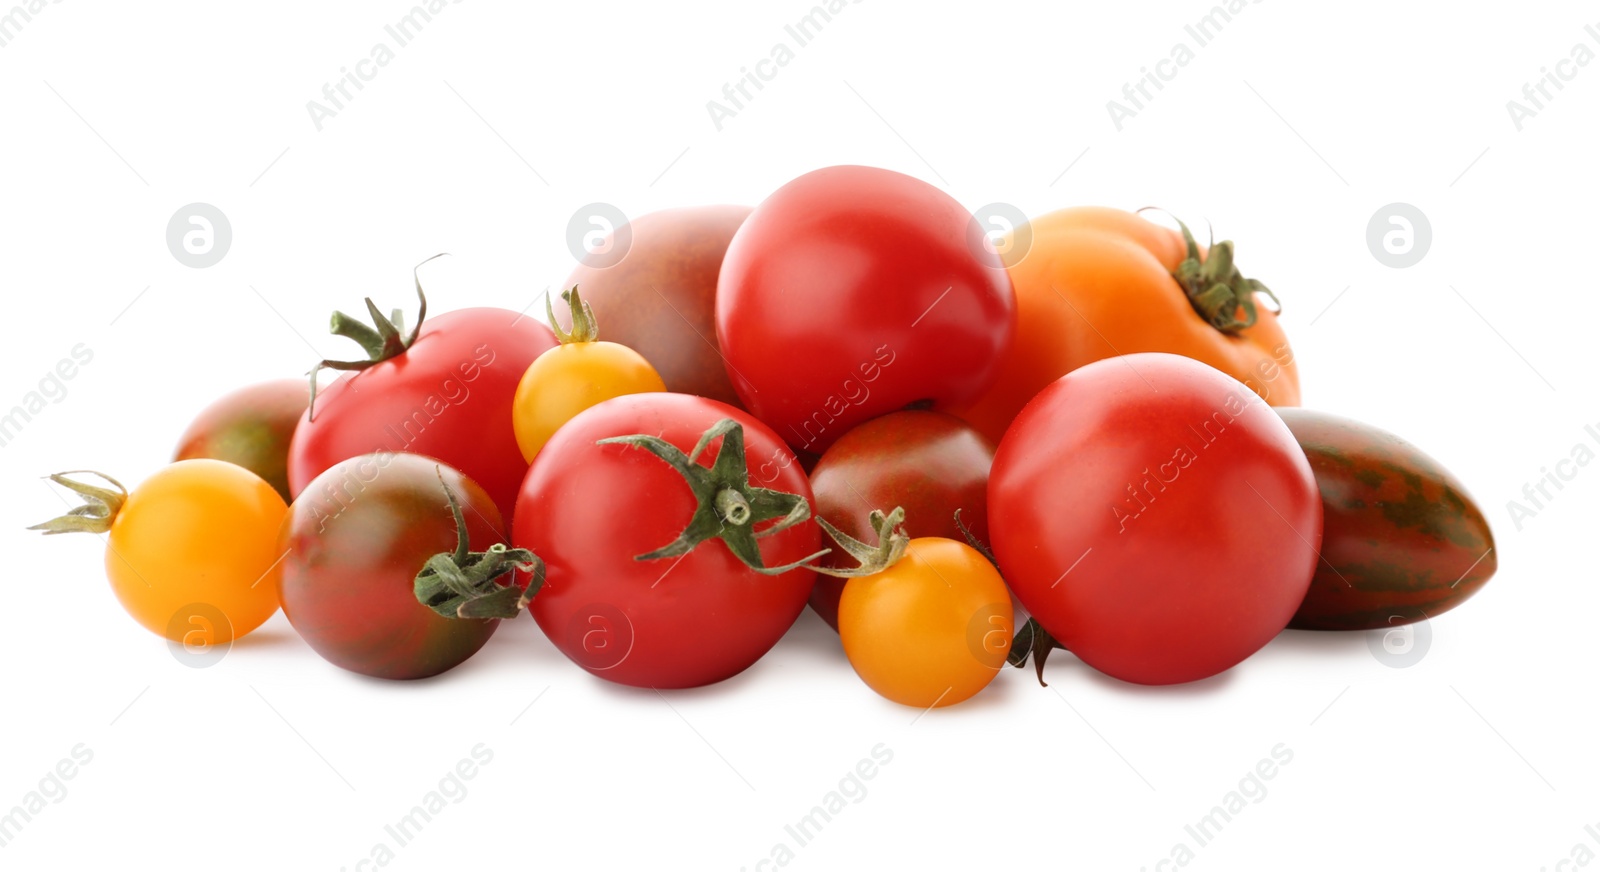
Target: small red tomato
x=356, y=539
x=250, y=427
x=444, y=391
x=1155, y=516
x=692, y=612
x=852, y=292
x=928, y=463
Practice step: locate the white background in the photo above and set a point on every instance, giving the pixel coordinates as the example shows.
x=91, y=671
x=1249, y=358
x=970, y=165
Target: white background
x=484, y=135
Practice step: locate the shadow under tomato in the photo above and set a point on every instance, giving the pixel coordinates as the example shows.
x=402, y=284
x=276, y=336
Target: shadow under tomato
x=268, y=637
x=1322, y=643
x=1070, y=667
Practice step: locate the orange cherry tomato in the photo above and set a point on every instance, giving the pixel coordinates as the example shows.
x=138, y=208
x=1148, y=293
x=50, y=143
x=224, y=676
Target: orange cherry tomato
x=188, y=551
x=931, y=630
x=580, y=372
x=1093, y=282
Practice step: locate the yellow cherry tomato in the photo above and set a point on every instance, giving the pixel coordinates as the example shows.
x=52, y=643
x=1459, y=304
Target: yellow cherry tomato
x=188, y=550
x=580, y=372
x=931, y=630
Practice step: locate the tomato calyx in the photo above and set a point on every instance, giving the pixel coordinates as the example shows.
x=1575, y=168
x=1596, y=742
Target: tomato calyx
x=99, y=509
x=465, y=583
x=382, y=341
x=1216, y=289
x=584, y=326
x=872, y=559
x=1037, y=641
x=727, y=506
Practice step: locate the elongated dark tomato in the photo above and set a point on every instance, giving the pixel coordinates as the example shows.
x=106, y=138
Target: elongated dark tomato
x=356, y=538
x=1402, y=540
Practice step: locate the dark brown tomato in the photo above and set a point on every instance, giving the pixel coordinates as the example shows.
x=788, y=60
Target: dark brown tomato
x=354, y=542
x=250, y=427
x=1402, y=540
x=928, y=463
x=660, y=298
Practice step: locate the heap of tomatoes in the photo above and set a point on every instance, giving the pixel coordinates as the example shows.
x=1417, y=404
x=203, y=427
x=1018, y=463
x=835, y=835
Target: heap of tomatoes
x=960, y=451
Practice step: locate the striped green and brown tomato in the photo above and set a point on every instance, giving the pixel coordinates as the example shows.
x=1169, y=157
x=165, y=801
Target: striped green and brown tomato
x=1402, y=540
x=353, y=543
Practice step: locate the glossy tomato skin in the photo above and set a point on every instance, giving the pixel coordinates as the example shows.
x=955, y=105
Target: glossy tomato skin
x=589, y=509
x=928, y=463
x=1155, y=516
x=1093, y=282
x=931, y=630
x=852, y=292
x=659, y=299
x=449, y=396
x=251, y=427
x=570, y=378
x=1402, y=539
x=188, y=549
x=355, y=540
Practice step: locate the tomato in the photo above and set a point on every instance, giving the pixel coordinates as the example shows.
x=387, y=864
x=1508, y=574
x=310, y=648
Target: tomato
x=356, y=539
x=446, y=392
x=1155, y=517
x=658, y=299
x=591, y=510
x=573, y=376
x=928, y=463
x=188, y=549
x=1092, y=283
x=251, y=427
x=1402, y=539
x=852, y=292
x=931, y=630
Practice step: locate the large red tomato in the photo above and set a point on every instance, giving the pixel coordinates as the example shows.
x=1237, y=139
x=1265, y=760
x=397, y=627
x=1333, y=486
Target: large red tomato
x=1155, y=517
x=590, y=510
x=448, y=396
x=854, y=291
x=928, y=463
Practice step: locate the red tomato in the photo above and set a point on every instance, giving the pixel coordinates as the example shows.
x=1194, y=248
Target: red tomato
x=448, y=396
x=854, y=291
x=1155, y=516
x=590, y=509
x=356, y=539
x=928, y=463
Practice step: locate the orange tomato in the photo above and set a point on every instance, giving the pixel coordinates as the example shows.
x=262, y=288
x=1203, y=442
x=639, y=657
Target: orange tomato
x=1093, y=282
x=188, y=550
x=931, y=630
